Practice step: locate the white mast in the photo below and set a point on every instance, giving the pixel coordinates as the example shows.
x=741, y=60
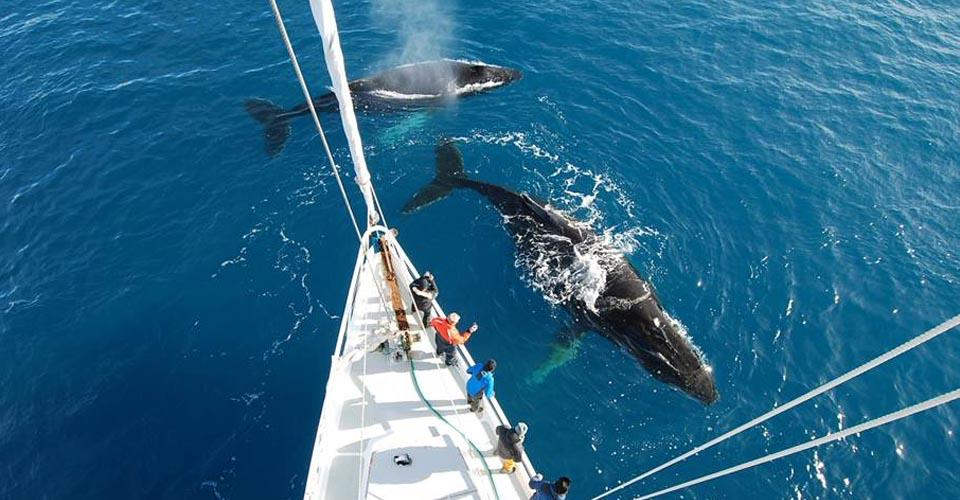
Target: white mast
x=327, y=25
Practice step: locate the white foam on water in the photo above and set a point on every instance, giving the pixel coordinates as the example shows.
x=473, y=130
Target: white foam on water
x=517, y=139
x=820, y=468
x=550, y=269
x=580, y=186
x=586, y=278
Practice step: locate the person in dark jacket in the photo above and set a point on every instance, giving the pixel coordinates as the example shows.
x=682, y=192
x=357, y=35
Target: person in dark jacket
x=480, y=383
x=510, y=445
x=424, y=291
x=544, y=490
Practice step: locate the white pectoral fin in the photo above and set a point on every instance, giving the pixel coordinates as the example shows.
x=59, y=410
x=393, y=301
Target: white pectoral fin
x=562, y=351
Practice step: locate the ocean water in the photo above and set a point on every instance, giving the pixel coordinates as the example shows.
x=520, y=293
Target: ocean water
x=787, y=174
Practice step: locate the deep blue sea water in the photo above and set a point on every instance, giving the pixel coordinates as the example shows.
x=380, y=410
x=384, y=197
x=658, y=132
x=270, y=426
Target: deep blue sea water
x=787, y=173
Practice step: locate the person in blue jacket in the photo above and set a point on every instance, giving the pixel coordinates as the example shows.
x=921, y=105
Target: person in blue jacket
x=545, y=490
x=480, y=383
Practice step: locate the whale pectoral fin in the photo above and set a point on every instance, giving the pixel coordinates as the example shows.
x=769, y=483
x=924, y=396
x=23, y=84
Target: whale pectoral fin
x=450, y=175
x=397, y=133
x=571, y=333
x=563, y=350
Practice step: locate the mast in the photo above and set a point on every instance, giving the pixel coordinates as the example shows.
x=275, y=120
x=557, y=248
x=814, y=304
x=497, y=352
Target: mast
x=327, y=25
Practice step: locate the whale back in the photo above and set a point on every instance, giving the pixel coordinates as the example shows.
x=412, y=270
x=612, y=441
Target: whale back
x=554, y=220
x=425, y=79
x=436, y=79
x=632, y=315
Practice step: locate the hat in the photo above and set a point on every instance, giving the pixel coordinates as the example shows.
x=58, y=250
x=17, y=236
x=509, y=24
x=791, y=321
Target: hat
x=427, y=274
x=490, y=365
x=521, y=430
x=453, y=317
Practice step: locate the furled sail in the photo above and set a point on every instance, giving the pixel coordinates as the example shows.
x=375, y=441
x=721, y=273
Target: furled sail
x=327, y=25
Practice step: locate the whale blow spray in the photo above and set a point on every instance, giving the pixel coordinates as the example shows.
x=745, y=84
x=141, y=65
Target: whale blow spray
x=424, y=31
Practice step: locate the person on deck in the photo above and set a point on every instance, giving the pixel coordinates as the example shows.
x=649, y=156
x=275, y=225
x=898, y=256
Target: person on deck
x=424, y=291
x=510, y=445
x=480, y=383
x=544, y=490
x=447, y=337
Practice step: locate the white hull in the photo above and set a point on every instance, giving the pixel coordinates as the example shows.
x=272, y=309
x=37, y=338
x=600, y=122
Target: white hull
x=372, y=412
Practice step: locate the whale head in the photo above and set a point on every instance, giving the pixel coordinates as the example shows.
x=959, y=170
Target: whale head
x=658, y=341
x=702, y=385
x=478, y=76
x=669, y=354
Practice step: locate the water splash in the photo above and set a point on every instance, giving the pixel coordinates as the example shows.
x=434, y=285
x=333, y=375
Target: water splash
x=549, y=268
x=580, y=185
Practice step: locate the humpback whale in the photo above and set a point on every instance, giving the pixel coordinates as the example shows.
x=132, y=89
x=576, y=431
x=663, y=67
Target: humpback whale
x=409, y=87
x=627, y=310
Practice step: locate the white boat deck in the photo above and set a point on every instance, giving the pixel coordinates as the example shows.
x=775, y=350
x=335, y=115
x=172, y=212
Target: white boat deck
x=373, y=416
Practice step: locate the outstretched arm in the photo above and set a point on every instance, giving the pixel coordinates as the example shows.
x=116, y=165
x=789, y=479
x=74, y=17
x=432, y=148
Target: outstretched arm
x=536, y=482
x=457, y=337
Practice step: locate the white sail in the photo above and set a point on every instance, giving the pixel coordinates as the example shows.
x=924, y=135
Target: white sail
x=327, y=25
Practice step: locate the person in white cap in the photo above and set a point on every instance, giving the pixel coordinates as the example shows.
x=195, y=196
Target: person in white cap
x=448, y=337
x=510, y=445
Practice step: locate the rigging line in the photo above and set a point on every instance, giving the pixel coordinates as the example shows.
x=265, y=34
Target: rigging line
x=890, y=417
x=440, y=363
x=441, y=367
x=376, y=199
x=365, y=346
x=380, y=295
x=423, y=328
x=416, y=384
x=363, y=406
x=498, y=413
x=879, y=360
x=313, y=113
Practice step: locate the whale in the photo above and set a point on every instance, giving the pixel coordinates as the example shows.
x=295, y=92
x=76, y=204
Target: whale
x=627, y=311
x=410, y=87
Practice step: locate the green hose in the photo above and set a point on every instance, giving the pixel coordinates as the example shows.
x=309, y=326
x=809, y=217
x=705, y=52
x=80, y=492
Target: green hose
x=416, y=384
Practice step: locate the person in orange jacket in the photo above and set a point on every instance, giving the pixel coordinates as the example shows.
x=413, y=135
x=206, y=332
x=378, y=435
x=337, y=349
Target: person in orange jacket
x=448, y=337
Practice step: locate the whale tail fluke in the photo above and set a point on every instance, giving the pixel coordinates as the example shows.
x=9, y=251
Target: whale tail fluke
x=276, y=127
x=450, y=175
